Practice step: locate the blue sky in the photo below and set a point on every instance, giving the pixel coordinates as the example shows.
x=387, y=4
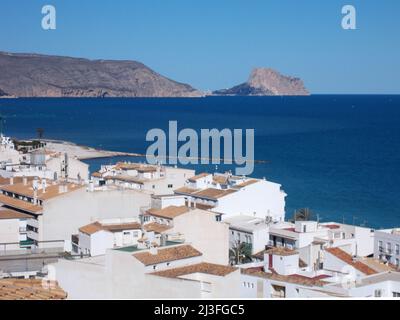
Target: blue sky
x=214, y=44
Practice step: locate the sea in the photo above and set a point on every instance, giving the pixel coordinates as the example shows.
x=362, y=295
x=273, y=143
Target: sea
x=338, y=155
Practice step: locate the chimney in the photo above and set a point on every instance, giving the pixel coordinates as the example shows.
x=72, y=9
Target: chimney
x=35, y=183
x=24, y=180
x=35, y=200
x=91, y=186
x=11, y=180
x=153, y=250
x=44, y=185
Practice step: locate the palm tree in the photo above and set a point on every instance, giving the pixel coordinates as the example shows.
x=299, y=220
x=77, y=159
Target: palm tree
x=240, y=253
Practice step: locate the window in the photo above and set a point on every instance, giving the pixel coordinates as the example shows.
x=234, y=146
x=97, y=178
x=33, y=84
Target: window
x=170, y=186
x=397, y=249
x=397, y=262
x=378, y=293
x=380, y=245
x=153, y=186
x=396, y=294
x=389, y=247
x=126, y=233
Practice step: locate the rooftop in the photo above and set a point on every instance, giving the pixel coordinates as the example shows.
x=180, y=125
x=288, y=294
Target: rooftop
x=347, y=258
x=246, y=183
x=112, y=227
x=281, y=251
x=199, y=176
x=213, y=194
x=20, y=204
x=156, y=227
x=12, y=214
x=169, y=212
x=167, y=255
x=204, y=267
x=246, y=223
x=52, y=190
x=135, y=166
x=30, y=289
x=293, y=278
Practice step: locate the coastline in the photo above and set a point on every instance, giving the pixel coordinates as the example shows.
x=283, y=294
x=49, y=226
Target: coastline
x=84, y=152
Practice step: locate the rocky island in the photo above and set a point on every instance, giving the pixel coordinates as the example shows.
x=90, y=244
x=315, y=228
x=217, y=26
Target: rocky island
x=34, y=75
x=267, y=82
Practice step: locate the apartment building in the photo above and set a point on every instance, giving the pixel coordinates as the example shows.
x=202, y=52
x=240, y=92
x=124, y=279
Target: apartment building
x=157, y=179
x=173, y=271
x=230, y=195
x=387, y=246
x=58, y=209
x=95, y=238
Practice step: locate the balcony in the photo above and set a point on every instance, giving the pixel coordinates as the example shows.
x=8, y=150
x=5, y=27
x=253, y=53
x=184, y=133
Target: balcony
x=26, y=243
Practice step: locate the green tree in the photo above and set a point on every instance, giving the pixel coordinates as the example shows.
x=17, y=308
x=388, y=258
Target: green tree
x=240, y=253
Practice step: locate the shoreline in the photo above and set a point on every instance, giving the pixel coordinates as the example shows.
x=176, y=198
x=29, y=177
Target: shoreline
x=82, y=152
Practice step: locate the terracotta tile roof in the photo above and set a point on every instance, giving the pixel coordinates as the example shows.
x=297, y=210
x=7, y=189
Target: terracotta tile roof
x=52, y=190
x=168, y=254
x=12, y=214
x=91, y=228
x=20, y=204
x=199, y=176
x=202, y=206
x=135, y=166
x=156, y=227
x=186, y=190
x=126, y=178
x=6, y=181
x=169, y=212
x=246, y=183
x=347, y=258
x=204, y=267
x=97, y=174
x=30, y=289
x=214, y=194
x=293, y=278
x=220, y=179
x=280, y=251
x=117, y=227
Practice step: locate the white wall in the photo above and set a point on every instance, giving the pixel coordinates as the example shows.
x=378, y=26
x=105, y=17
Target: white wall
x=205, y=234
x=65, y=214
x=260, y=199
x=9, y=232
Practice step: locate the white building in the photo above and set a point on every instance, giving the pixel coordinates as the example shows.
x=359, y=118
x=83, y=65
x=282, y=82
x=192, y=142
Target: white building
x=8, y=154
x=184, y=224
x=13, y=232
x=311, y=237
x=59, y=209
x=63, y=166
x=387, y=246
x=156, y=179
x=95, y=238
x=250, y=230
x=174, y=272
x=229, y=195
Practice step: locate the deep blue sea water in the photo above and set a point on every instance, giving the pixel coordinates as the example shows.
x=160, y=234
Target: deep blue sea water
x=338, y=155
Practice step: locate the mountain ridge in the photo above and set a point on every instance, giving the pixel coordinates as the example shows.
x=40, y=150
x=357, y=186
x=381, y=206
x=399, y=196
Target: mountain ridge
x=38, y=75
